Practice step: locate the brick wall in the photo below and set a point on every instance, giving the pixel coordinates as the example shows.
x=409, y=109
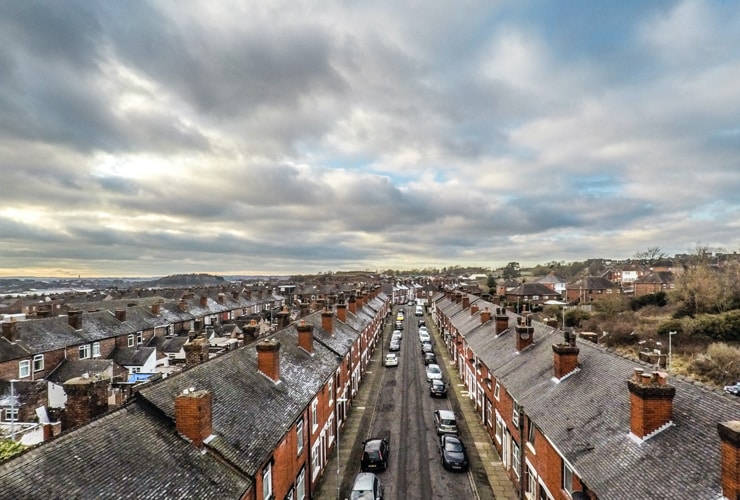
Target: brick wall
x=86, y=399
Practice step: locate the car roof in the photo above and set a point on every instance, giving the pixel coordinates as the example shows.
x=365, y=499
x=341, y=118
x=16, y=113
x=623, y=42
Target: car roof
x=373, y=444
x=364, y=481
x=437, y=382
x=432, y=366
x=445, y=414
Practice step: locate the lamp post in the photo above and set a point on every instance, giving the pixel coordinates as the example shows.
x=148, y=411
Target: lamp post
x=12, y=409
x=339, y=482
x=670, y=353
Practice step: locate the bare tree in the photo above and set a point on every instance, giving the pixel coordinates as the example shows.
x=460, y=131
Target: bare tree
x=651, y=255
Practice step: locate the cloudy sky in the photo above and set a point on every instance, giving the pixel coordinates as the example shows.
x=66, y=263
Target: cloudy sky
x=149, y=138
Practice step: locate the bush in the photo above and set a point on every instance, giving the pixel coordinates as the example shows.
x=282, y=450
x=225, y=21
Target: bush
x=720, y=364
x=653, y=299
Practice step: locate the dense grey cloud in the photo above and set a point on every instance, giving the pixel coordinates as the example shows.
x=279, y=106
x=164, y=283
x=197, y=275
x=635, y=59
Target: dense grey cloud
x=148, y=138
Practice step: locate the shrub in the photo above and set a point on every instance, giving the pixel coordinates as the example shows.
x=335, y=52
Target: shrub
x=720, y=364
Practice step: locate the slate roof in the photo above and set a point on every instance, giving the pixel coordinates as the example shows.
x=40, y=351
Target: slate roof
x=46, y=334
x=659, y=277
x=536, y=288
x=130, y=453
x=132, y=356
x=251, y=413
x=591, y=283
x=586, y=416
x=69, y=369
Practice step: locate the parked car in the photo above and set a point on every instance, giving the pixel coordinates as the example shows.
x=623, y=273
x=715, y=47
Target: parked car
x=422, y=323
x=391, y=359
x=429, y=357
x=426, y=347
x=395, y=345
x=399, y=316
x=433, y=372
x=445, y=422
x=424, y=337
x=366, y=487
x=733, y=389
x=397, y=334
x=437, y=389
x=399, y=325
x=374, y=455
x=452, y=451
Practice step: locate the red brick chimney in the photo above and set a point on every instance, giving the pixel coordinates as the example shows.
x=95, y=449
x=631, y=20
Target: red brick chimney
x=87, y=397
x=268, y=359
x=474, y=309
x=565, y=356
x=221, y=298
x=651, y=403
x=196, y=351
x=502, y=321
x=156, y=308
x=359, y=301
x=326, y=320
x=342, y=312
x=75, y=319
x=203, y=301
x=194, y=415
x=283, y=318
x=121, y=314
x=729, y=436
x=10, y=330
x=304, y=309
x=305, y=336
x=465, y=302
x=485, y=315
x=352, y=304
x=458, y=298
x=524, y=333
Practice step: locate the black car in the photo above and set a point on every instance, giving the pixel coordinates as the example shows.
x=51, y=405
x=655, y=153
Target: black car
x=374, y=455
x=366, y=487
x=430, y=358
x=422, y=323
x=437, y=389
x=452, y=450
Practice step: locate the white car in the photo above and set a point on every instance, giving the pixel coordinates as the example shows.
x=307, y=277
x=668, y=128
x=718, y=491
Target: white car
x=433, y=372
x=424, y=337
x=397, y=334
x=391, y=359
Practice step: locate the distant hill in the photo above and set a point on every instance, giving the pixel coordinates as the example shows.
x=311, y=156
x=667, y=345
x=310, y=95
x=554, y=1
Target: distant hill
x=176, y=280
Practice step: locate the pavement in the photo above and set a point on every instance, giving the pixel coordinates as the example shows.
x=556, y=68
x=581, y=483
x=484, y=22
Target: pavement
x=336, y=483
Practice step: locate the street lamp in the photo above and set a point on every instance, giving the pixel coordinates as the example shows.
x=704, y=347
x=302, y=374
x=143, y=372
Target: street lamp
x=339, y=482
x=12, y=410
x=670, y=359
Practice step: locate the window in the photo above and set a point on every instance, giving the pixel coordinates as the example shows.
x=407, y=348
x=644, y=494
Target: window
x=24, y=369
x=267, y=482
x=531, y=434
x=139, y=338
x=489, y=412
x=567, y=478
x=331, y=391
x=299, y=436
x=314, y=415
x=515, y=414
x=499, y=428
x=300, y=485
x=135, y=369
x=85, y=351
x=531, y=485
x=131, y=340
x=38, y=362
x=96, y=349
x=516, y=457
x=11, y=414
x=497, y=392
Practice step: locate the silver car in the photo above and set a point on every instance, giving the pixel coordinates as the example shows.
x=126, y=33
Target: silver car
x=433, y=372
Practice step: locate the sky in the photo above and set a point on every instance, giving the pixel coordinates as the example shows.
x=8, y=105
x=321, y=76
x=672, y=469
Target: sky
x=146, y=138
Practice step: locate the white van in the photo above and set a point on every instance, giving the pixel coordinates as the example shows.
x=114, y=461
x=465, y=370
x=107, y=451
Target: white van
x=420, y=310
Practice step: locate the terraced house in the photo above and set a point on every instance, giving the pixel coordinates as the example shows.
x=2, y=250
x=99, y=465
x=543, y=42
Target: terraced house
x=572, y=419
x=257, y=422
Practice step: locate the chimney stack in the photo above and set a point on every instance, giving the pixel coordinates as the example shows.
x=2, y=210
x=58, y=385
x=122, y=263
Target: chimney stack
x=524, y=333
x=203, y=301
x=465, y=302
x=268, y=359
x=502, y=321
x=651, y=403
x=196, y=351
x=75, y=319
x=729, y=436
x=221, y=298
x=342, y=312
x=326, y=320
x=183, y=305
x=474, y=309
x=10, y=330
x=156, y=308
x=283, y=318
x=304, y=309
x=352, y=304
x=194, y=415
x=485, y=315
x=305, y=336
x=565, y=356
x=121, y=315
x=359, y=301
